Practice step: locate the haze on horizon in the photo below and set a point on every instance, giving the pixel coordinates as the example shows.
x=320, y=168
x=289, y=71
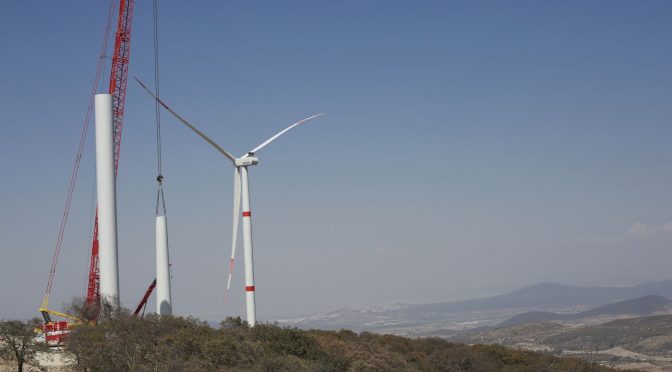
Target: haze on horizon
x=469, y=148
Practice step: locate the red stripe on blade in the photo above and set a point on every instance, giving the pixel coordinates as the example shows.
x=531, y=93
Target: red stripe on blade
x=247, y=214
x=249, y=288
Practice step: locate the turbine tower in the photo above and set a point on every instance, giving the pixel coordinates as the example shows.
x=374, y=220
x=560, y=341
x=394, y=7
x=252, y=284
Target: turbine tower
x=107, y=199
x=240, y=191
x=164, y=303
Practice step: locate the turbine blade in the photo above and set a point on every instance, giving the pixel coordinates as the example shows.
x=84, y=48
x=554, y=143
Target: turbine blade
x=283, y=132
x=206, y=138
x=228, y=282
x=236, y=218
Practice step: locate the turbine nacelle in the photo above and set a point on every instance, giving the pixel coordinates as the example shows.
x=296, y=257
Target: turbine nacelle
x=246, y=160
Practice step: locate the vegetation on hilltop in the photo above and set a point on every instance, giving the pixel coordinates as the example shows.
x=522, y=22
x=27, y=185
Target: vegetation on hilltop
x=127, y=343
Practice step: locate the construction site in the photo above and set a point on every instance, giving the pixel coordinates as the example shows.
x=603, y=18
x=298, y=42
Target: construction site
x=335, y=186
x=109, y=116
x=106, y=110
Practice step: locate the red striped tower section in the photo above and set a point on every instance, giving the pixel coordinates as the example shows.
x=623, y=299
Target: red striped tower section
x=247, y=246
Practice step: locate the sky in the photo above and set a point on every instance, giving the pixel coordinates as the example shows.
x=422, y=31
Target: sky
x=469, y=148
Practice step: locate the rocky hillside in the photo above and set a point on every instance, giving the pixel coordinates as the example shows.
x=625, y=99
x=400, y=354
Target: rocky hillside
x=619, y=342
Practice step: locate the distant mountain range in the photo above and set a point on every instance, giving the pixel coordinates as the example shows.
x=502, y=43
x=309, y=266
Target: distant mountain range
x=642, y=306
x=538, y=302
x=549, y=296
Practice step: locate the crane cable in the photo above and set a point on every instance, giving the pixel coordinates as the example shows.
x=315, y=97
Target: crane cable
x=160, y=201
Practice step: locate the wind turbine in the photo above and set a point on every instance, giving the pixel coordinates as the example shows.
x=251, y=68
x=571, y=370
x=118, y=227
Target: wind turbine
x=240, y=191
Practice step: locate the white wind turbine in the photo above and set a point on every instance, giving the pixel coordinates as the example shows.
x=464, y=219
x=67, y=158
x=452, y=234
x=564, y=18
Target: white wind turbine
x=240, y=182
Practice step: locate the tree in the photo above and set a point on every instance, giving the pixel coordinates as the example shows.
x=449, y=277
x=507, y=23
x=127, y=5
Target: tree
x=18, y=341
x=92, y=312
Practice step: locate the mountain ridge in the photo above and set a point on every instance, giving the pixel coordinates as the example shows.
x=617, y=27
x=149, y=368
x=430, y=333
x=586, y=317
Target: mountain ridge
x=641, y=306
x=549, y=295
x=456, y=316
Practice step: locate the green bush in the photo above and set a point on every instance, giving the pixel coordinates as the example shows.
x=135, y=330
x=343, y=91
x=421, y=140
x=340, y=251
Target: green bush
x=285, y=341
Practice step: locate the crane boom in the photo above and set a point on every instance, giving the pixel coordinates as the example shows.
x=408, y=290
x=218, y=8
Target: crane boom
x=143, y=301
x=119, y=73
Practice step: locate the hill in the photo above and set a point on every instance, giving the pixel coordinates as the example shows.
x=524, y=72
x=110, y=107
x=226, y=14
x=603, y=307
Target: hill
x=531, y=317
x=642, y=306
x=651, y=335
x=179, y=344
x=619, y=342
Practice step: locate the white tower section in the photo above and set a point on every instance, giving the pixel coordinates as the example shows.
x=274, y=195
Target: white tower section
x=107, y=199
x=247, y=250
x=164, y=305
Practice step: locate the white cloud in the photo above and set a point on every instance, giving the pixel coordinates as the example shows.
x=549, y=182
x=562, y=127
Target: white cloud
x=641, y=229
x=378, y=251
x=638, y=230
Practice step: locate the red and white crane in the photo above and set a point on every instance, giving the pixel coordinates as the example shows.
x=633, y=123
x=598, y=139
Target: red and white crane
x=117, y=88
x=56, y=331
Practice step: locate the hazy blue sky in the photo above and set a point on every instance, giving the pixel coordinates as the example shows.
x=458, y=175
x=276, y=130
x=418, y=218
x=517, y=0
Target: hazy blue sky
x=470, y=148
